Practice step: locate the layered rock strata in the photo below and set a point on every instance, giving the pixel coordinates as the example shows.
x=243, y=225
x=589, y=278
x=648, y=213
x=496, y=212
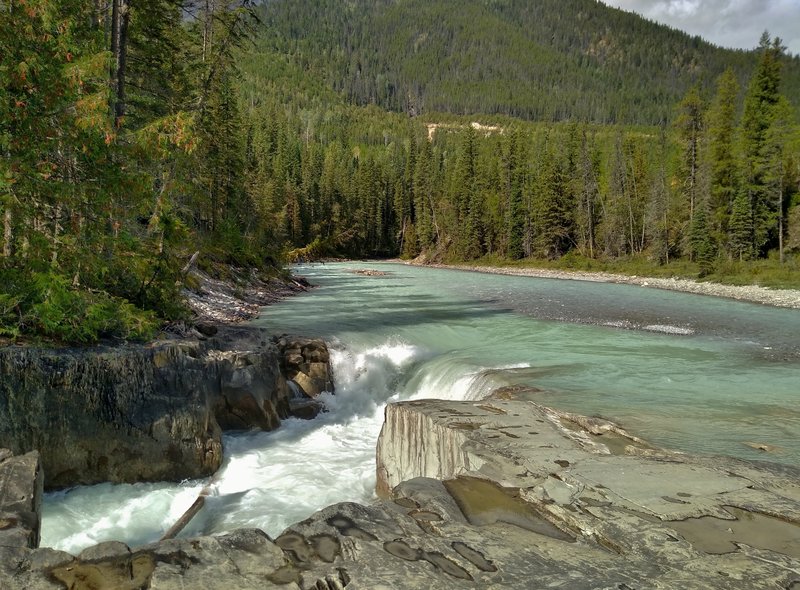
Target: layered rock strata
x=139, y=413
x=532, y=498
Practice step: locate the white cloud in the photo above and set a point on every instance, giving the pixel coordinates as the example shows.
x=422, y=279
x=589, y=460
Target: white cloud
x=729, y=23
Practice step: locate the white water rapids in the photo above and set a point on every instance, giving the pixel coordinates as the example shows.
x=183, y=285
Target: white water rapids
x=689, y=372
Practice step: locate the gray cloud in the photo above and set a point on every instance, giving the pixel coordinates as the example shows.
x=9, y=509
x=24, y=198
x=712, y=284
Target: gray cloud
x=729, y=23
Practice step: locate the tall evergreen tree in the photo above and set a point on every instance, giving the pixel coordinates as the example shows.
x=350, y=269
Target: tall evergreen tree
x=690, y=124
x=775, y=157
x=586, y=214
x=700, y=239
x=762, y=96
x=724, y=165
x=740, y=228
x=515, y=213
x=551, y=212
x=659, y=208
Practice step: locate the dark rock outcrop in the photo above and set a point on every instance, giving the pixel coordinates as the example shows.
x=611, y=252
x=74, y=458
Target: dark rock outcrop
x=306, y=364
x=306, y=361
x=138, y=412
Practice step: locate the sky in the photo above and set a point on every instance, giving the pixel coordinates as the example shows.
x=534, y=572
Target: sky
x=729, y=23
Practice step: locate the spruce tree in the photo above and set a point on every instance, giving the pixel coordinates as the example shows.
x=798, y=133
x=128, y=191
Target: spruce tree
x=740, y=228
x=515, y=210
x=775, y=156
x=762, y=96
x=724, y=165
x=700, y=239
x=690, y=124
x=552, y=215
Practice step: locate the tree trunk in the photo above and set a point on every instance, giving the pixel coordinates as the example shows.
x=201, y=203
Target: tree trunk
x=7, y=233
x=122, y=61
x=114, y=53
x=120, y=18
x=780, y=225
x=56, y=230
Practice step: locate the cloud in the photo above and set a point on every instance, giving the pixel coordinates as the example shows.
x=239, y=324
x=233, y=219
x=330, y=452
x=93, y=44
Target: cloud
x=729, y=23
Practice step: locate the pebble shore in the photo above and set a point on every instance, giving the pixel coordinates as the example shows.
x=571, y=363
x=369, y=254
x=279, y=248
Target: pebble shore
x=775, y=297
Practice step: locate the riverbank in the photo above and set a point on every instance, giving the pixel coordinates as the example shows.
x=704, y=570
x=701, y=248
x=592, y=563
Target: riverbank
x=789, y=298
x=237, y=297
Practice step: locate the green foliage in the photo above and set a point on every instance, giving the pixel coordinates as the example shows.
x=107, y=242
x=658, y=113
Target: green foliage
x=46, y=304
x=107, y=188
x=763, y=95
x=724, y=166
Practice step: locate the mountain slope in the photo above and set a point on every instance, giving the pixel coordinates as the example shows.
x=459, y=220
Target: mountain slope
x=544, y=60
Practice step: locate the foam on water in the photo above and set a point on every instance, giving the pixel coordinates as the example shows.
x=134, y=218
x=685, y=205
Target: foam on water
x=268, y=480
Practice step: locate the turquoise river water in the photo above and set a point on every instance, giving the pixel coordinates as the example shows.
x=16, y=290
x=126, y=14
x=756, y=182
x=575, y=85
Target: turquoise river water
x=693, y=373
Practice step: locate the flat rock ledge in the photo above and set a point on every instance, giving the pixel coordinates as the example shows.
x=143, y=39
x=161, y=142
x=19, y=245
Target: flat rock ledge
x=489, y=494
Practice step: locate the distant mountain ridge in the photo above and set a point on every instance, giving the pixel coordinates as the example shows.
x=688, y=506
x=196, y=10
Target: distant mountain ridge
x=546, y=60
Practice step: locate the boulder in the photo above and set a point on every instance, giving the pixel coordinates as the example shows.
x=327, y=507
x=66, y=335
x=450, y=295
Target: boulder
x=306, y=361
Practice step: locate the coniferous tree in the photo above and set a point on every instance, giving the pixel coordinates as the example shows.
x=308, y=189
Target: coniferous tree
x=700, y=240
x=762, y=96
x=513, y=184
x=659, y=209
x=721, y=145
x=775, y=156
x=551, y=211
x=740, y=228
x=586, y=214
x=690, y=124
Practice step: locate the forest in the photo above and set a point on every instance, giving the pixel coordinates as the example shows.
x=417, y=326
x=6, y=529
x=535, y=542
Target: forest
x=139, y=135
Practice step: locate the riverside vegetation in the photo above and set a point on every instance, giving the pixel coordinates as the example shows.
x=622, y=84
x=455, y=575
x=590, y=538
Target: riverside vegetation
x=138, y=133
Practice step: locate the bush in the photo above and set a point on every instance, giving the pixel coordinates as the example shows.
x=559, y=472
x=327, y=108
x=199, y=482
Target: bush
x=46, y=305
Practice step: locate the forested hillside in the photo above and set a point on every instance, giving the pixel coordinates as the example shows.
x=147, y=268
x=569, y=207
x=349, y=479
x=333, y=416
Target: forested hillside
x=548, y=60
x=715, y=182
x=138, y=133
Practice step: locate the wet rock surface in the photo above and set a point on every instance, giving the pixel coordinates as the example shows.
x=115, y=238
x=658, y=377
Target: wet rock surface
x=626, y=515
x=306, y=362
x=554, y=506
x=138, y=412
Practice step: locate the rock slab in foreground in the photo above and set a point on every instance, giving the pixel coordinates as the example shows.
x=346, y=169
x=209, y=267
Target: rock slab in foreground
x=639, y=517
x=138, y=413
x=539, y=500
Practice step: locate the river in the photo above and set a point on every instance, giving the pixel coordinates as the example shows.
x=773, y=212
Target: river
x=689, y=372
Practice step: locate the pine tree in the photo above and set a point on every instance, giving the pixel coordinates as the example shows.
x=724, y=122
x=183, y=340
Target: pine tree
x=553, y=222
x=775, y=156
x=690, y=124
x=740, y=228
x=762, y=96
x=700, y=240
x=724, y=166
x=513, y=180
x=659, y=209
x=586, y=214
